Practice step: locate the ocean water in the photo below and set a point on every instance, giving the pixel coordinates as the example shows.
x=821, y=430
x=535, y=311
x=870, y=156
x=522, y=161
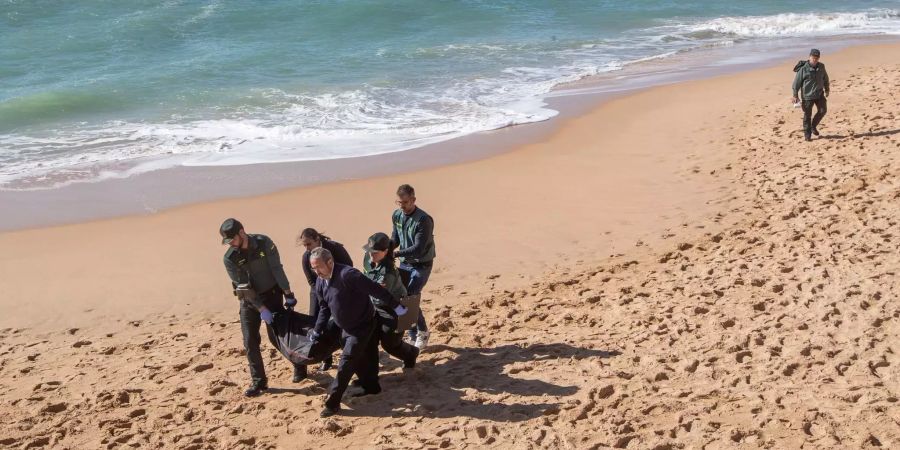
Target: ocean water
x=94, y=89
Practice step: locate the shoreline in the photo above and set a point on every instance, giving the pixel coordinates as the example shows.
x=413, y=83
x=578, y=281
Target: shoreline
x=151, y=192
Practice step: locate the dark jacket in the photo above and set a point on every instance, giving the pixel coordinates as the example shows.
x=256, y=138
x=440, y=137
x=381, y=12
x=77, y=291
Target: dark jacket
x=259, y=264
x=346, y=299
x=337, y=251
x=414, y=233
x=811, y=82
x=387, y=276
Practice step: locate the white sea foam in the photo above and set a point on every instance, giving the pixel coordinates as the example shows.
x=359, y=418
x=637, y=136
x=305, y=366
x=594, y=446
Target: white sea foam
x=328, y=126
x=783, y=25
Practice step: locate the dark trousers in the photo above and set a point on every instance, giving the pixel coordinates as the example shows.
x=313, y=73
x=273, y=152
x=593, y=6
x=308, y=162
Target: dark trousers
x=314, y=312
x=250, y=323
x=360, y=357
x=392, y=343
x=415, y=277
x=313, y=302
x=821, y=109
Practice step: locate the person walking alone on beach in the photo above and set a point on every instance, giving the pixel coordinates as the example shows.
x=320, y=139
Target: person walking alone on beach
x=413, y=233
x=252, y=259
x=813, y=86
x=309, y=239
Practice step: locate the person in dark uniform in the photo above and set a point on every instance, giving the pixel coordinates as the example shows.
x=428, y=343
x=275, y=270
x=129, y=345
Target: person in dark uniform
x=252, y=259
x=379, y=266
x=309, y=239
x=812, y=86
x=413, y=232
x=344, y=296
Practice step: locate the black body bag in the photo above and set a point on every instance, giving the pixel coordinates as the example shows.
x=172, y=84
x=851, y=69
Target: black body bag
x=288, y=333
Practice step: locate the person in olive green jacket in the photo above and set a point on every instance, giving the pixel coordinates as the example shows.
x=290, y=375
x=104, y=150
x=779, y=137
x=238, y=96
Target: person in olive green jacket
x=379, y=266
x=813, y=86
x=253, y=259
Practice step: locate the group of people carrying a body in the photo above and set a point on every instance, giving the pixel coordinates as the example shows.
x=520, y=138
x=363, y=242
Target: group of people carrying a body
x=364, y=305
x=356, y=301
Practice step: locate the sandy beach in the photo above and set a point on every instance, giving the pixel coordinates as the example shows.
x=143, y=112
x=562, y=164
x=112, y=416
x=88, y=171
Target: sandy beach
x=673, y=269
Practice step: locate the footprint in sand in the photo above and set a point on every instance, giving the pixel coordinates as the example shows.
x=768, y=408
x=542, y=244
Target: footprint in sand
x=203, y=367
x=691, y=367
x=54, y=408
x=47, y=386
x=741, y=357
x=874, y=366
x=330, y=427
x=790, y=369
x=486, y=433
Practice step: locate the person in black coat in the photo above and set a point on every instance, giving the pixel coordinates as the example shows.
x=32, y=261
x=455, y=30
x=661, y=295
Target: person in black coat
x=309, y=239
x=345, y=296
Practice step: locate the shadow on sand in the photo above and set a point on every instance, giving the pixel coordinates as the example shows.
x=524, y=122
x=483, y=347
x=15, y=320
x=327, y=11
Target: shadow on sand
x=458, y=384
x=861, y=135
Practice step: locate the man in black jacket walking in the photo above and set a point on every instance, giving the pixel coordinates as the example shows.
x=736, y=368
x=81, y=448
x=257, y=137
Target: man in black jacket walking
x=814, y=87
x=344, y=296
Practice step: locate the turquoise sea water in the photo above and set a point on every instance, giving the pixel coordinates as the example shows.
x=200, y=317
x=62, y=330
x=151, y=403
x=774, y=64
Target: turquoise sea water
x=95, y=89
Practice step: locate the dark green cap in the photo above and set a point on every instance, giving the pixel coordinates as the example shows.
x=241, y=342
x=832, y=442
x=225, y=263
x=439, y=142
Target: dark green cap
x=815, y=52
x=229, y=229
x=378, y=242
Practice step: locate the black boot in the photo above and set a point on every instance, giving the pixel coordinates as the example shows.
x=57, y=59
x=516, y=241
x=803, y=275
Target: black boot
x=807, y=137
x=815, y=131
x=326, y=364
x=328, y=412
x=256, y=388
x=410, y=362
x=364, y=392
x=299, y=373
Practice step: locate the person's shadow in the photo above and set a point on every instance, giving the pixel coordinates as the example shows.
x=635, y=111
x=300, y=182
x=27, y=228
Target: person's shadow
x=862, y=135
x=477, y=382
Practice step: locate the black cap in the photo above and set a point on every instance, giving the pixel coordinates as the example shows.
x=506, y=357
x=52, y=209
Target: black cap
x=229, y=229
x=378, y=242
x=814, y=52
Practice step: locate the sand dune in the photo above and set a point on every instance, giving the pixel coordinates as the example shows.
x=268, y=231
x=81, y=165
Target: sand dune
x=771, y=322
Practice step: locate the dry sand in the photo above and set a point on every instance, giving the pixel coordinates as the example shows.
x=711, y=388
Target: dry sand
x=675, y=269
